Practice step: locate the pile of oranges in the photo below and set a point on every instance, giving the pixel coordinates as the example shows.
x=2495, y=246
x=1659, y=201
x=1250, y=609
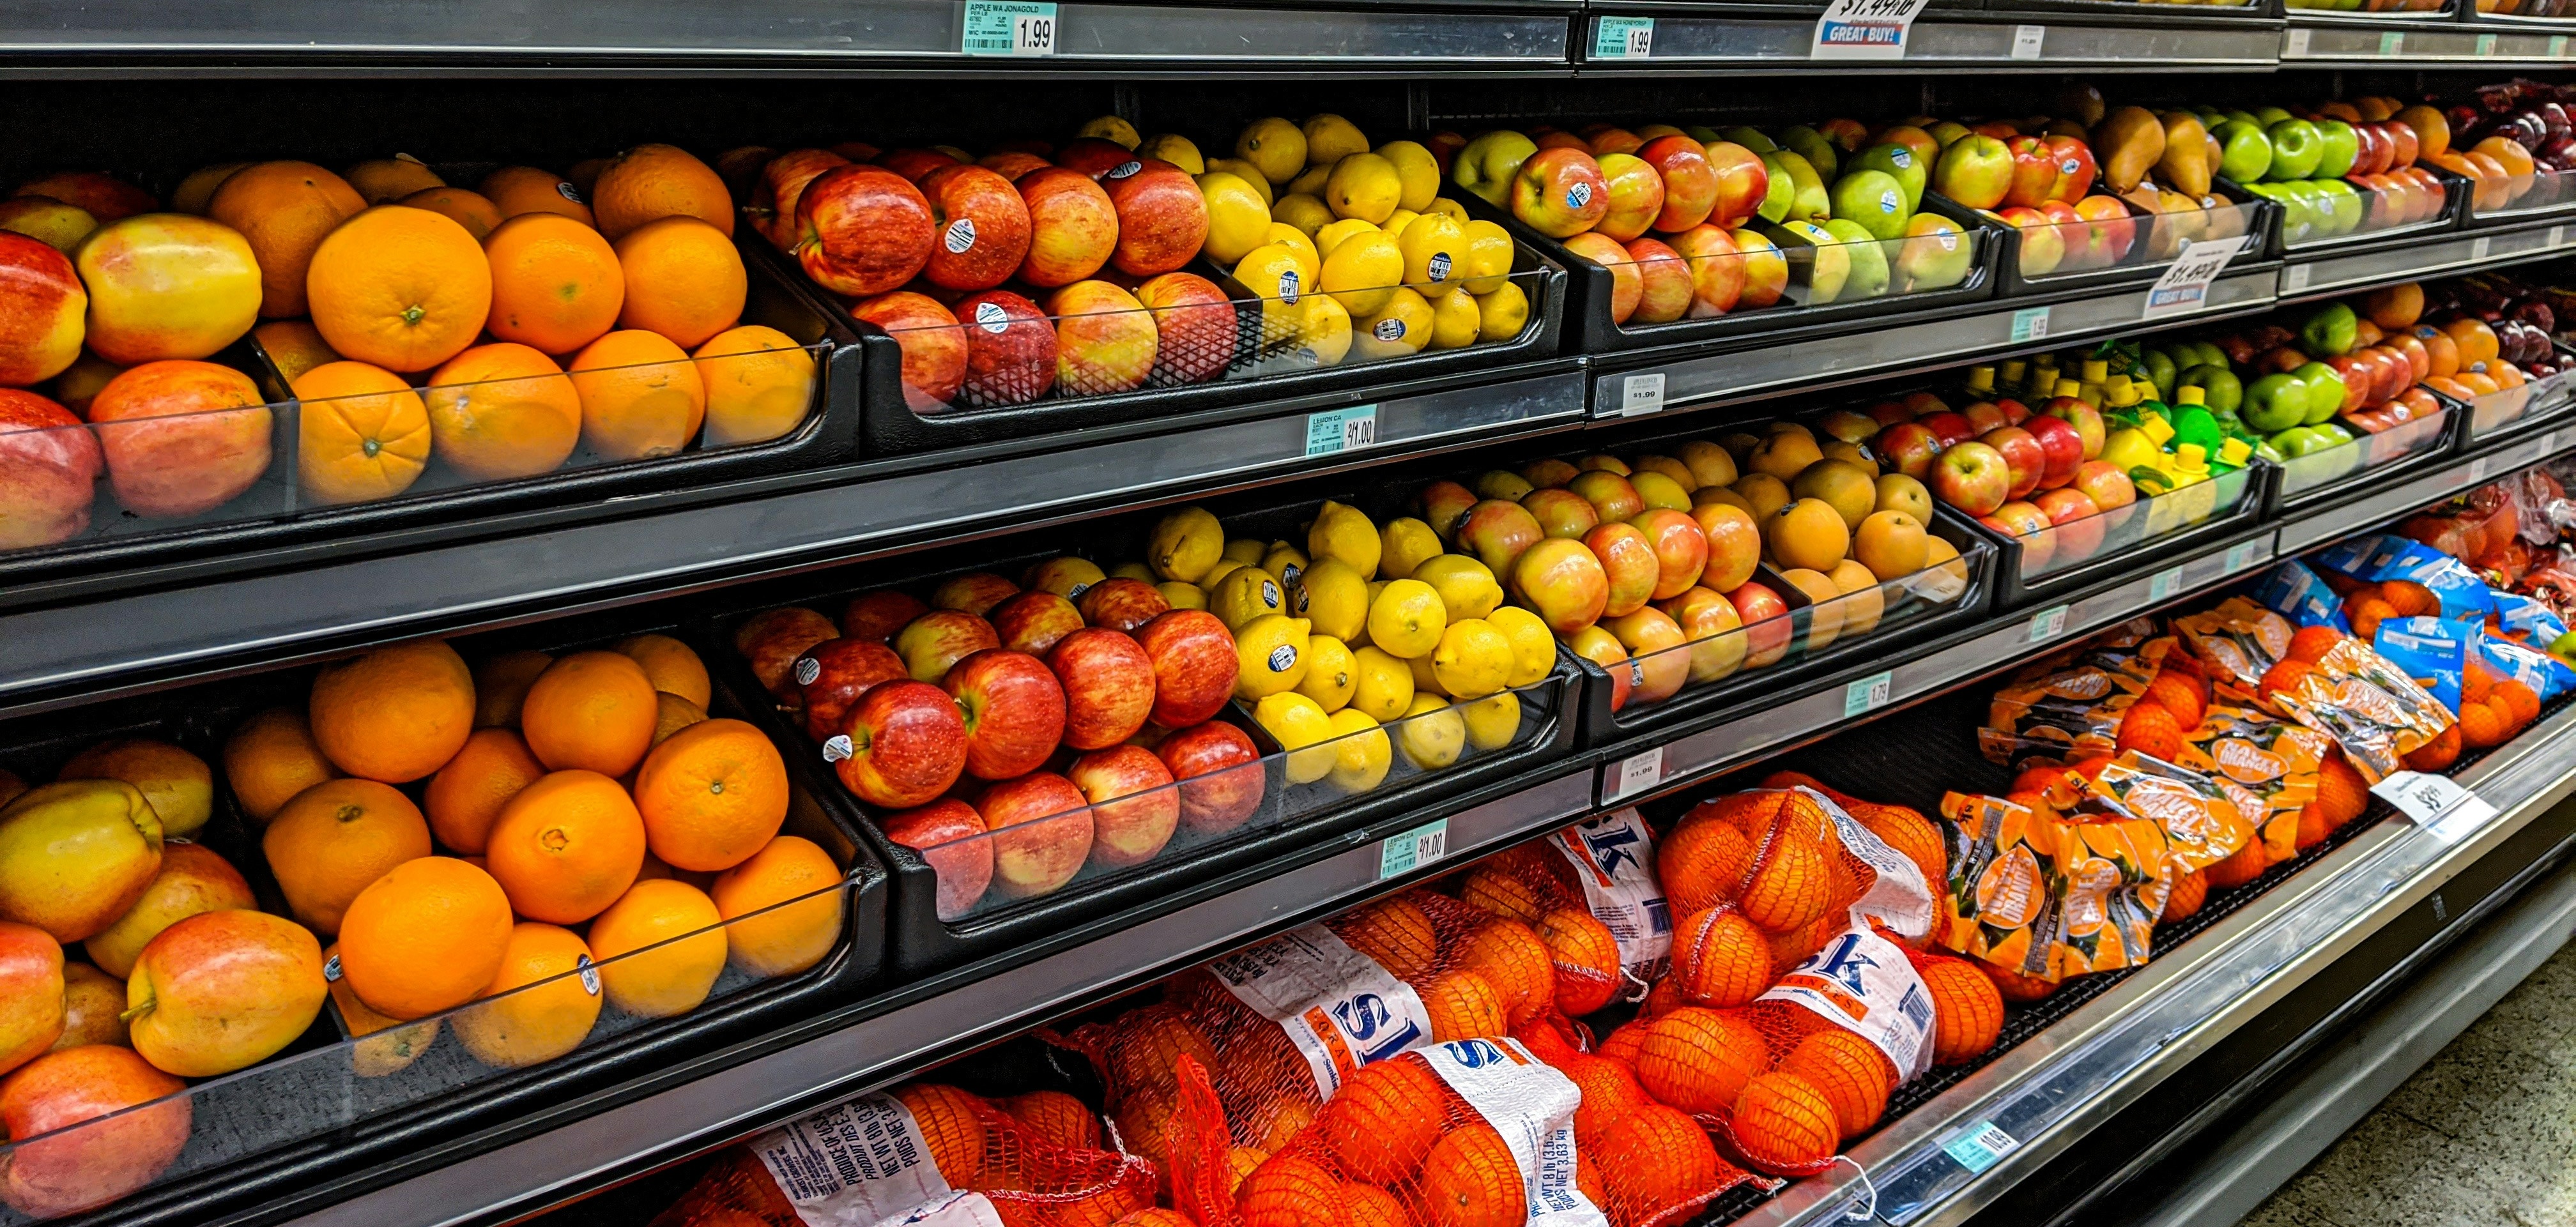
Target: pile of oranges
x=569, y=813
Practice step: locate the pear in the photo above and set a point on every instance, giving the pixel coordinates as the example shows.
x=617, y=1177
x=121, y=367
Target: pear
x=2184, y=165
x=2128, y=143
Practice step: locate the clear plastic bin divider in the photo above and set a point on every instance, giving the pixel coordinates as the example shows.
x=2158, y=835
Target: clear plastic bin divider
x=2063, y=547
x=2326, y=466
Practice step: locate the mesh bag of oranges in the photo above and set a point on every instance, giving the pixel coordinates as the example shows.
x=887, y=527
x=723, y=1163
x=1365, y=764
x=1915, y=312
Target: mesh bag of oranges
x=1589, y=891
x=926, y=1153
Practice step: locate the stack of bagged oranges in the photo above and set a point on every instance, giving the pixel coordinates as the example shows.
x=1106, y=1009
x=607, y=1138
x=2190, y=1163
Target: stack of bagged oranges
x=564, y=814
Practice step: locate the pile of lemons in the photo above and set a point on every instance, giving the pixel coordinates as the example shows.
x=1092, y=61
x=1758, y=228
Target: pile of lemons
x=1361, y=630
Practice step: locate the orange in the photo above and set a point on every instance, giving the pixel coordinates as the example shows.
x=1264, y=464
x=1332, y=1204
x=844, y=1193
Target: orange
x=2312, y=828
x=503, y=410
x=555, y=283
x=2189, y=892
x=1793, y=885
x=1699, y=1059
x=2438, y=753
x=1702, y=864
x=295, y=346
x=680, y=923
x=1585, y=955
x=403, y=288
x=390, y=1046
x=671, y=713
x=1151, y=1043
x=283, y=209
x=1609, y=1090
x=2247, y=864
x=2341, y=792
x=2409, y=598
x=336, y=838
x=765, y=938
x=1240, y=1162
x=759, y=383
x=2483, y=725
x=2476, y=683
x=1851, y=1073
x=1462, y=1005
x=1912, y=836
x=684, y=279
x=1782, y=1121
x=269, y=759
x=2284, y=675
x=1503, y=892
x=2518, y=700
x=1290, y=1191
x=593, y=710
x=2179, y=695
x=199, y=186
x=1054, y=1118
x=1512, y=959
x=712, y=794
x=1145, y=1123
x=2149, y=729
x=2365, y=613
x=950, y=1126
x=1150, y=1216
x=378, y=180
x=1652, y=1161
x=1366, y=1205
x=1395, y=933
x=1967, y=1011
x=395, y=714
x=584, y=174
x=426, y=937
x=2311, y=643
x=525, y=189
x=650, y=182
x=2477, y=342
x=671, y=666
x=640, y=396
x=540, y=1006
x=1627, y=1041
x=364, y=433
x=479, y=216
x=2015, y=986
x=566, y=847
x=501, y=686
x=1720, y=959
x=465, y=798
x=1471, y=1180
x=1384, y=1120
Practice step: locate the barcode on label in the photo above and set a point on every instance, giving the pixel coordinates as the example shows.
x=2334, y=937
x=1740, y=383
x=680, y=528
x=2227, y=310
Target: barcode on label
x=1623, y=38
x=2048, y=624
x=1981, y=1147
x=1335, y=431
x=1640, y=394
x=1634, y=774
x=1008, y=27
x=2438, y=803
x=1412, y=849
x=1868, y=694
x=2164, y=583
x=2480, y=246
x=2030, y=324
x=2295, y=277
x=2298, y=42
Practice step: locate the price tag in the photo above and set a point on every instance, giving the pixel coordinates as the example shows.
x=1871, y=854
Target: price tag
x=2297, y=43
x=1334, y=431
x=1008, y=27
x=2478, y=469
x=2241, y=555
x=2184, y=287
x=2391, y=42
x=1864, y=29
x=2479, y=246
x=2026, y=41
x=2558, y=235
x=1868, y=694
x=2164, y=583
x=2295, y=278
x=1641, y=394
x=1635, y=774
x=2486, y=44
x=1412, y=849
x=2437, y=803
x=2557, y=46
x=1982, y=1146
x=1623, y=38
x=2030, y=324
x=2048, y=624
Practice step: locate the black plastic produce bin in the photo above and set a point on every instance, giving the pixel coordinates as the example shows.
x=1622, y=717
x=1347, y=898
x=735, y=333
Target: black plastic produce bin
x=2402, y=451
x=2142, y=264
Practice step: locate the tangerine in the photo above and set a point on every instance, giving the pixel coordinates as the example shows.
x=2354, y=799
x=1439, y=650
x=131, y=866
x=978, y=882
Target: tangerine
x=1792, y=886
x=951, y=1127
x=503, y=410
x=1850, y=1072
x=1511, y=958
x=2438, y=753
x=1702, y=864
x=566, y=847
x=2284, y=676
x=2408, y=598
x=1720, y=959
x=1365, y=1205
x=1626, y=1042
x=1914, y=837
x=394, y=714
x=2245, y=865
x=556, y=284
x=759, y=384
x=671, y=666
x=1055, y=1118
x=478, y=215
x=362, y=433
x=2184, y=900
x=2521, y=704
x=684, y=279
x=1463, y=1005
x=1507, y=894
x=1783, y=1122
x=1699, y=1059
x=525, y=189
x=1653, y=1161
x=2366, y=612
x=782, y=907
x=2179, y=696
x=269, y=759
x=283, y=209
x=2311, y=643
x=594, y=710
x=1967, y=1010
x=1471, y=1180
x=1383, y=1120
x=712, y=794
x=384, y=1046
x=640, y=396
x=1585, y=957
x=466, y=796
x=402, y=288
x=2483, y=725
x=1395, y=933
x=334, y=840
x=656, y=181
x=540, y=1006
x=1289, y=1191
x=1610, y=1092
x=426, y=937
x=2015, y=986
x=680, y=923
x=2341, y=792
x=2149, y=728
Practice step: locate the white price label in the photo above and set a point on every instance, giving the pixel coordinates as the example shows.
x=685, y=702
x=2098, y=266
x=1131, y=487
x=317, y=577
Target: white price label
x=1864, y=29
x=1412, y=849
x=2295, y=278
x=1335, y=431
x=1008, y=27
x=1623, y=38
x=2164, y=583
x=2437, y=803
x=2558, y=235
x=2298, y=42
x=2030, y=324
x=2478, y=469
x=2549, y=444
x=1981, y=1146
x=2026, y=41
x=2184, y=287
x=2241, y=555
x=2048, y=624
x=1868, y=694
x=1641, y=394
x=2480, y=246
x=1633, y=774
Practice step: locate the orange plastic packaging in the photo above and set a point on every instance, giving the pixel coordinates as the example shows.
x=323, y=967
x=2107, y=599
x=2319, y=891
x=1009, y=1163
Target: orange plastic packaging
x=2274, y=763
x=2242, y=638
x=2369, y=706
x=2069, y=709
x=2046, y=897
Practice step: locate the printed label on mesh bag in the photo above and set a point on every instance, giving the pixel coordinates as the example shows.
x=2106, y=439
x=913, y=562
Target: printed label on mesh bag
x=1337, y=1005
x=1614, y=859
x=861, y=1163
x=1864, y=984
x=1532, y=1106
x=1899, y=899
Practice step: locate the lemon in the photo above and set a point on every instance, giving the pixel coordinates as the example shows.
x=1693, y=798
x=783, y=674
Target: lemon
x=1331, y=236
x=1501, y=315
x=1186, y=544
x=1309, y=182
x=1216, y=574
x=1432, y=734
x=1134, y=570
x=1270, y=655
x=1494, y=720
x=1446, y=206
x=1473, y=659
x=1176, y=149
x=1299, y=722
x=1332, y=596
x=1245, y=550
x=1330, y=138
x=1383, y=684
x=1533, y=648
x=1305, y=212
x=1363, y=271
x=1398, y=330
x=1431, y=245
x=1466, y=585
x=1398, y=220
x=1455, y=319
x=1424, y=680
x=1407, y=619
x=1111, y=128
x=1245, y=593
x=1330, y=681
x=1323, y=331
x=1486, y=264
x=1285, y=561
x=1182, y=596
x=1301, y=245
x=1416, y=169
x=1365, y=186
x=1246, y=171
x=1274, y=146
x=1403, y=546
x=1344, y=532
x=1275, y=273
x=1361, y=754
x=1238, y=218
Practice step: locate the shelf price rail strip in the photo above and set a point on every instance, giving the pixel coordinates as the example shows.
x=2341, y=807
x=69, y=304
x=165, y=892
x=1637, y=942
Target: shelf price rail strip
x=2399, y=43
x=1757, y=44
x=2326, y=273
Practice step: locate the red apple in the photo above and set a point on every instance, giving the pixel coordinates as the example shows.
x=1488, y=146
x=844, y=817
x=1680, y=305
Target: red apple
x=2061, y=448
x=1985, y=415
x=1042, y=833
x=1636, y=196
x=2074, y=234
x=901, y=746
x=1734, y=544
x=1889, y=413
x=1121, y=604
x=1220, y=773
x=1628, y=564
x=1134, y=808
x=43, y=310
x=2077, y=520
x=1496, y=532
x=832, y=675
x=1602, y=648
x=2104, y=483
x=1949, y=428
x=1664, y=289
x=1194, y=666
x=31, y=989
x=1010, y=349
x=1708, y=621
x=1563, y=582
x=1093, y=156
x=934, y=346
x=2405, y=145
x=1561, y=512
x=950, y=835
x=104, y=197
x=1195, y=328
x=1680, y=548
x=2034, y=172
x=187, y=437
x=1972, y=477
x=975, y=592
x=2028, y=524
x=2086, y=420
x=936, y=640
x=1925, y=404
x=56, y=1169
x=1034, y=621
x=1011, y=164
x=878, y=615
x=2370, y=151
x=2022, y=454
x=2072, y=168
x=1766, y=623
x=916, y=165
x=2108, y=229
x=49, y=466
x=1560, y=192
x=1742, y=182
x=862, y=230
x=770, y=642
x=2015, y=412
x=1717, y=269
x=1909, y=447
x=1627, y=287
x=223, y=990
x=1108, y=686
x=1014, y=711
x=1162, y=217
x=2043, y=249
x=1766, y=269
x=1105, y=339
x=1690, y=181
x=1442, y=505
x=782, y=181
x=983, y=227
x=1073, y=227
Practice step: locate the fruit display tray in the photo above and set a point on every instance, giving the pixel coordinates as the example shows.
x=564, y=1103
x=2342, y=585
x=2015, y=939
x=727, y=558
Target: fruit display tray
x=2455, y=203
x=265, y=1129
x=2314, y=480
x=889, y=427
x=2251, y=216
x=1588, y=288
x=2514, y=412
x=2140, y=12
x=2134, y=537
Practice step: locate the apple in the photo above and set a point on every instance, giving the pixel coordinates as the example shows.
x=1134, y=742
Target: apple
x=2086, y=420
x=192, y=880
x=1496, y=532
x=51, y=222
x=1709, y=623
x=1034, y=621
x=32, y=1002
x=1889, y=413
x=1636, y=192
x=1628, y=564
x=1134, y=807
x=163, y=285
x=1664, y=287
x=1657, y=653
x=55, y=1169
x=2022, y=455
x=1742, y=182
x=181, y=437
x=2061, y=449
x=1012, y=164
x=1766, y=270
x=1042, y=833
x=1105, y=339
x=1093, y=156
x=1121, y=604
x=833, y=674
x=1195, y=664
x=1561, y=512
x=983, y=227
x=1718, y=269
x=1973, y=477
x=1444, y=505
x=932, y=642
x=1948, y=427
x=1162, y=217
x=1690, y=181
x=901, y=746
x=2015, y=412
x=2109, y=230
x=1985, y=415
x=1220, y=774
x=975, y=592
x=2043, y=249
x=1680, y=548
x=1487, y=165
x=1195, y=327
x=1767, y=625
x=1010, y=349
x=1073, y=226
x=770, y=642
x=43, y=310
x=1909, y=448
x=878, y=615
x=2074, y=234
x=916, y=165
x=49, y=466
x=1560, y=192
x=2105, y=484
x=1065, y=575
x=862, y=230
x=1014, y=711
x=1627, y=286
x=1734, y=544
x=1108, y=687
x=2077, y=520
x=2028, y=524
x=2034, y=172
x=950, y=835
x=1563, y=582
x=1602, y=648
x=934, y=346
x=2072, y=168
x=1610, y=494
x=783, y=180
x=76, y=854
x=222, y=990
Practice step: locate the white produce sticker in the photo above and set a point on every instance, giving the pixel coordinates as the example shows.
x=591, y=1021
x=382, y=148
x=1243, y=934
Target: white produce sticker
x=858, y=1164
x=1532, y=1106
x=1614, y=859
x=1862, y=983
x=1337, y=1005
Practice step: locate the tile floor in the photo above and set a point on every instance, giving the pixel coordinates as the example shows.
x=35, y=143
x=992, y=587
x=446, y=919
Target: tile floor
x=2484, y=1134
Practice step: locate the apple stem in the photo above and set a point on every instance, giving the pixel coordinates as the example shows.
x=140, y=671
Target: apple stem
x=136, y=1012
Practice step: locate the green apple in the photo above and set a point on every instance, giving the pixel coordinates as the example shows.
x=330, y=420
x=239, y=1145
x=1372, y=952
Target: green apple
x=2330, y=331
x=2158, y=366
x=2342, y=202
x=2333, y=432
x=1874, y=200
x=2337, y=147
x=2325, y=392
x=1748, y=138
x=2299, y=441
x=1488, y=163
x=1812, y=145
x=2275, y=402
x=2296, y=149
x=2270, y=115
x=2564, y=646
x=1869, y=267
x=2219, y=387
x=2244, y=153
x=1779, y=189
x=1896, y=162
x=1808, y=201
